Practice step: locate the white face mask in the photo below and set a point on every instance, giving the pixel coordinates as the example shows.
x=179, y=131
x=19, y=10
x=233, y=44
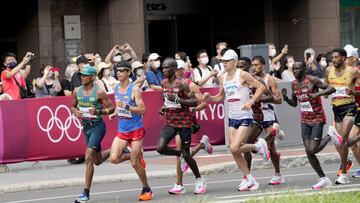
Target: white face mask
x=204, y=60
x=139, y=72
x=106, y=72
x=156, y=64
x=117, y=58
x=272, y=52
x=290, y=65
x=323, y=63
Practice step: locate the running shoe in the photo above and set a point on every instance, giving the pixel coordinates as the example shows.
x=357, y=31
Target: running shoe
x=277, y=179
x=335, y=137
x=262, y=149
x=146, y=196
x=177, y=190
x=200, y=186
x=356, y=174
x=280, y=134
x=250, y=185
x=183, y=164
x=208, y=147
x=322, y=183
x=348, y=167
x=342, y=179
x=83, y=197
x=243, y=182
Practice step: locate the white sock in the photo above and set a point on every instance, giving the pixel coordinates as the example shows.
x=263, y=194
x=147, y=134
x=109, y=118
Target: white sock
x=250, y=177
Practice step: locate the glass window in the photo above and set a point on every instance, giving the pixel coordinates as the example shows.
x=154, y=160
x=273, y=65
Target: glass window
x=350, y=22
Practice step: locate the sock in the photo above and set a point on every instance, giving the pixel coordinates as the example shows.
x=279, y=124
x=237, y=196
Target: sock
x=250, y=177
x=146, y=189
x=87, y=192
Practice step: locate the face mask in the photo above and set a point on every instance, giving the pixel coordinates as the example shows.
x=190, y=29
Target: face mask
x=139, y=72
x=204, y=60
x=106, y=72
x=323, y=63
x=156, y=64
x=117, y=59
x=50, y=74
x=290, y=65
x=12, y=64
x=272, y=52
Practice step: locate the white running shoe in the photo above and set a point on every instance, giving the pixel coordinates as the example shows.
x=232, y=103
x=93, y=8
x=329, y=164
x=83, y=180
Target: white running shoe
x=261, y=147
x=208, y=147
x=322, y=183
x=342, y=179
x=280, y=134
x=177, y=190
x=335, y=137
x=200, y=186
x=243, y=182
x=277, y=180
x=250, y=185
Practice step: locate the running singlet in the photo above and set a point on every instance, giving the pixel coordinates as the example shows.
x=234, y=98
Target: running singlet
x=267, y=108
x=86, y=102
x=340, y=97
x=311, y=108
x=128, y=121
x=357, y=98
x=177, y=116
x=237, y=95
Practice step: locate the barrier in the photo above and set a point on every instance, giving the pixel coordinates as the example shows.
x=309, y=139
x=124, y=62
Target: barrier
x=44, y=129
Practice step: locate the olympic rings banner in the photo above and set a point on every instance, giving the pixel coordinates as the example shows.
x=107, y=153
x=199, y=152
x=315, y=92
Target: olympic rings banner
x=45, y=129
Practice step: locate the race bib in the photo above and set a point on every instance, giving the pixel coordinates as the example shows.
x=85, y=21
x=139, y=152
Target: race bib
x=123, y=113
x=340, y=92
x=171, y=105
x=306, y=107
x=86, y=113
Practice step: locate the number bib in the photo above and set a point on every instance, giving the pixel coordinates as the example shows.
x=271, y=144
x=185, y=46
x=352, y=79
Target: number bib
x=86, y=113
x=306, y=107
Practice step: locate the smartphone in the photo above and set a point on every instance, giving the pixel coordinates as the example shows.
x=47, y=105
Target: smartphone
x=308, y=55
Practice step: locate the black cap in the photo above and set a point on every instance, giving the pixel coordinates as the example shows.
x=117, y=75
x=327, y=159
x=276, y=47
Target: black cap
x=82, y=59
x=124, y=64
x=7, y=54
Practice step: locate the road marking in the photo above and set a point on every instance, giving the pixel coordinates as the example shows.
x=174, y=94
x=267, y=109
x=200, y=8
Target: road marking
x=168, y=186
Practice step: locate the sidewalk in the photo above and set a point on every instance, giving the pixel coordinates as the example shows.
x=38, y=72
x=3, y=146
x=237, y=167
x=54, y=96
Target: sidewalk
x=55, y=174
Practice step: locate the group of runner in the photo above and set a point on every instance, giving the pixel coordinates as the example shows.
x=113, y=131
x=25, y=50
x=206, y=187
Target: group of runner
x=251, y=99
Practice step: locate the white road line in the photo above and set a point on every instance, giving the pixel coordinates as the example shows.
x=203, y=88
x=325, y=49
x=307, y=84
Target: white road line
x=166, y=186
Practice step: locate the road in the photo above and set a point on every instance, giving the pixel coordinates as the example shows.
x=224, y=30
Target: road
x=220, y=188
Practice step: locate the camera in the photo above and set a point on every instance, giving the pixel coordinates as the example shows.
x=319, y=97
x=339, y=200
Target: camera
x=31, y=57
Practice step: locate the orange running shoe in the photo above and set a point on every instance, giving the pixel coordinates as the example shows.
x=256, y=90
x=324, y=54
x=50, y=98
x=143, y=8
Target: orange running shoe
x=348, y=167
x=146, y=196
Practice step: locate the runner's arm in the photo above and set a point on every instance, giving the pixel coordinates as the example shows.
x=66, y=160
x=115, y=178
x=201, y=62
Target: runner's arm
x=192, y=101
x=140, y=106
x=196, y=91
x=108, y=107
x=327, y=89
x=219, y=97
x=260, y=88
x=293, y=101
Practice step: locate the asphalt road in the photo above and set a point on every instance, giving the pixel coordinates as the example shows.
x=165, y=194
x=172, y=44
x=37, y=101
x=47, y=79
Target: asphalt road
x=220, y=188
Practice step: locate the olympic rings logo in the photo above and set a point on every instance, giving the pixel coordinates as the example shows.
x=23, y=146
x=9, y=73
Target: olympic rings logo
x=64, y=127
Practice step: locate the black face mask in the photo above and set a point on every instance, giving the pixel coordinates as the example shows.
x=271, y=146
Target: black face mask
x=12, y=64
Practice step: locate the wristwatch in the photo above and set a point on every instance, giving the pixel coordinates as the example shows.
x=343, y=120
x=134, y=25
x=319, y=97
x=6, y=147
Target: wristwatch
x=127, y=107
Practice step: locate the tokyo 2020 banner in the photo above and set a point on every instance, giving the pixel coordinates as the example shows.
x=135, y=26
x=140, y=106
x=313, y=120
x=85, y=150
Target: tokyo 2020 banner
x=45, y=129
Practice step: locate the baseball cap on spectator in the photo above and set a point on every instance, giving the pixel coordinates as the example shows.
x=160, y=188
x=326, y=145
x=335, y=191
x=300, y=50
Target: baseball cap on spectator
x=88, y=70
x=82, y=59
x=180, y=64
x=124, y=64
x=351, y=51
x=136, y=64
x=154, y=56
x=229, y=55
x=102, y=65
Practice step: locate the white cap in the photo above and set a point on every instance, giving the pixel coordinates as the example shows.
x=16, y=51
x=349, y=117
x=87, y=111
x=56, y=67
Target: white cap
x=101, y=66
x=230, y=54
x=351, y=51
x=154, y=56
x=180, y=64
x=136, y=64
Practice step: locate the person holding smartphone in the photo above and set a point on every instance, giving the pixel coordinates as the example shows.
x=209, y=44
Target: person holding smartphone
x=47, y=85
x=312, y=68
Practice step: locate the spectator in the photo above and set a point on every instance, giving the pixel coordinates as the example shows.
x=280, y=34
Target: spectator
x=180, y=55
x=105, y=78
x=139, y=77
x=11, y=78
x=287, y=74
x=244, y=63
x=203, y=74
x=352, y=58
x=312, y=68
x=66, y=88
x=3, y=96
x=48, y=84
x=321, y=60
x=145, y=61
x=81, y=62
x=274, y=61
x=215, y=61
x=154, y=75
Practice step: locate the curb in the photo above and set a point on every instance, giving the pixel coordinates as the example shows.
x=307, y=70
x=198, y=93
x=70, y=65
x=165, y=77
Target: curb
x=228, y=167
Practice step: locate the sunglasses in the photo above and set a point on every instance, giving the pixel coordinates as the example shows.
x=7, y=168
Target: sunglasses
x=122, y=70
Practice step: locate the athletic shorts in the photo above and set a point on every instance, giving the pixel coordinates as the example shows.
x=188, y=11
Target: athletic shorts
x=264, y=124
x=94, y=134
x=248, y=122
x=169, y=132
x=312, y=131
x=135, y=135
x=344, y=110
